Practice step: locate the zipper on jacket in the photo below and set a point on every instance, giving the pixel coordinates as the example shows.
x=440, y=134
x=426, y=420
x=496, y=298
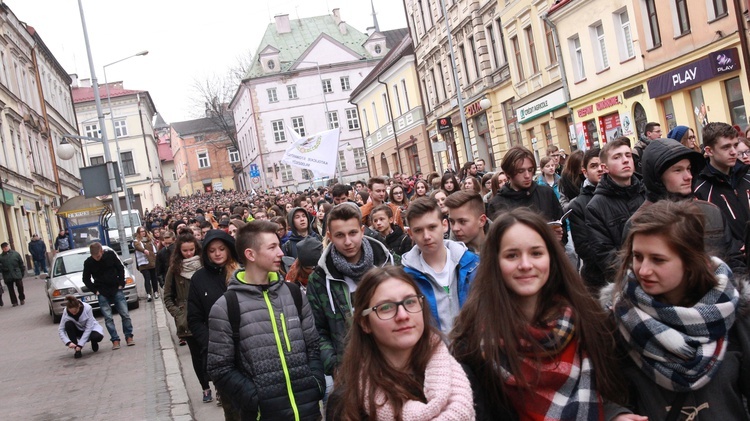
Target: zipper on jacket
x=258, y=417
x=279, y=348
x=286, y=335
x=728, y=207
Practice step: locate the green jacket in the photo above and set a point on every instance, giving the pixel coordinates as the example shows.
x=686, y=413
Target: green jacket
x=176, y=289
x=11, y=265
x=331, y=303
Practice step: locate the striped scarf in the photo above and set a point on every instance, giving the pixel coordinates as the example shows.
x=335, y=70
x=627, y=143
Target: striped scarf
x=679, y=348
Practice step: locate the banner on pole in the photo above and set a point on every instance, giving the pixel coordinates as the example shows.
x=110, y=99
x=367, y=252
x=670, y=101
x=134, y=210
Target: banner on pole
x=317, y=153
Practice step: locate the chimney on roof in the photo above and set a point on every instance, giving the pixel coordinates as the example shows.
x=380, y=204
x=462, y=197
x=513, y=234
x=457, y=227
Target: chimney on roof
x=74, y=80
x=85, y=83
x=336, y=15
x=282, y=24
x=342, y=27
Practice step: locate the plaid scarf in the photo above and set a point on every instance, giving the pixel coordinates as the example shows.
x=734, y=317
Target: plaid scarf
x=680, y=348
x=562, y=380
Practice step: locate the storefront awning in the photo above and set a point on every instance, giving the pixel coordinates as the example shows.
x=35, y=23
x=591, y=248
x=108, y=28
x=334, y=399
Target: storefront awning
x=81, y=206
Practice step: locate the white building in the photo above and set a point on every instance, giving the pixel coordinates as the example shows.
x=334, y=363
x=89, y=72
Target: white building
x=131, y=125
x=301, y=79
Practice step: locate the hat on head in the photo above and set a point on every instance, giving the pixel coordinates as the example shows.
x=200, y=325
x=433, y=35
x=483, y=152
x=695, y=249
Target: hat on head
x=3, y=245
x=677, y=133
x=224, y=222
x=309, y=251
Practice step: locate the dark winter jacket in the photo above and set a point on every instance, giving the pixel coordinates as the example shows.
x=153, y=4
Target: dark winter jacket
x=281, y=375
x=206, y=286
x=657, y=158
x=331, y=303
x=163, y=257
x=62, y=243
x=579, y=231
x=638, y=149
x=540, y=198
x=606, y=214
x=398, y=242
x=11, y=265
x=290, y=246
x=38, y=249
x=731, y=193
x=108, y=274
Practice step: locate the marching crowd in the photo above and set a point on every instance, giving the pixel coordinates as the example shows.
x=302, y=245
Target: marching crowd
x=612, y=286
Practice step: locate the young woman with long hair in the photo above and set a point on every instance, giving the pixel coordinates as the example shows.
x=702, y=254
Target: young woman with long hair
x=421, y=189
x=397, y=196
x=396, y=366
x=439, y=196
x=535, y=338
x=185, y=261
x=486, y=185
x=571, y=178
x=548, y=175
x=449, y=184
x=145, y=257
x=682, y=317
x=472, y=184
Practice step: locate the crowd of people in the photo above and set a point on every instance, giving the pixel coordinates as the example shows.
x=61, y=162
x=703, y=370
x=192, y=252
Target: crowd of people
x=608, y=284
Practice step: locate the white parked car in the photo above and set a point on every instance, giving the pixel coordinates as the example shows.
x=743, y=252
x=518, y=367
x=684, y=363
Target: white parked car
x=66, y=277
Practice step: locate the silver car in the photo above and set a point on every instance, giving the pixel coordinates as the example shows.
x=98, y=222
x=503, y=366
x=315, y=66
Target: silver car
x=66, y=277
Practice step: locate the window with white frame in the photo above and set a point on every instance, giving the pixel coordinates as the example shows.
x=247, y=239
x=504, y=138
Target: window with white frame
x=501, y=55
x=434, y=85
x=91, y=130
x=683, y=18
x=203, y=160
x=272, y=95
x=234, y=155
x=367, y=123
x=600, y=43
x=96, y=160
x=653, y=38
x=307, y=174
x=291, y=91
x=342, y=161
x=333, y=120
x=375, y=115
x=386, y=107
x=352, y=119
x=718, y=9
x=624, y=35
x=128, y=164
x=345, y=86
x=360, y=159
x=397, y=98
x=286, y=172
x=577, y=55
x=327, y=87
x=406, y=94
x=298, y=125
x=277, y=126
x=490, y=36
x=121, y=128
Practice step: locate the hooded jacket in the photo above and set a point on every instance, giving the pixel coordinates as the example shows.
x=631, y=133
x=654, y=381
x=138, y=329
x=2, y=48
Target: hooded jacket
x=657, y=158
x=281, y=375
x=206, y=286
x=290, y=246
x=444, y=307
x=606, y=214
x=731, y=193
x=331, y=303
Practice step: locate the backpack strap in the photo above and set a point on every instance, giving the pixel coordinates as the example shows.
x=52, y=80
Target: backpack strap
x=233, y=312
x=297, y=296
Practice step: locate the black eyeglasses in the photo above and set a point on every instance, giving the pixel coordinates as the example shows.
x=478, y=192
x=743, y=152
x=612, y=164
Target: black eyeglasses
x=388, y=310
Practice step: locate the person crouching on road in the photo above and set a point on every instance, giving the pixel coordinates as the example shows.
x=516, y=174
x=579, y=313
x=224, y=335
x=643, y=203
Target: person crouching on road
x=78, y=326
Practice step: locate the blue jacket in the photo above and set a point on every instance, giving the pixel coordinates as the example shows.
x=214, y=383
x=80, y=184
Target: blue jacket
x=465, y=266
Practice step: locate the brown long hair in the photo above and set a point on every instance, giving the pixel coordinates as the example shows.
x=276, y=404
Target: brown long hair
x=363, y=364
x=680, y=224
x=175, y=261
x=491, y=315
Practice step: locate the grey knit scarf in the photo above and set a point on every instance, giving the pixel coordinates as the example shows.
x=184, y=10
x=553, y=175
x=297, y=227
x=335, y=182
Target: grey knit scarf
x=354, y=270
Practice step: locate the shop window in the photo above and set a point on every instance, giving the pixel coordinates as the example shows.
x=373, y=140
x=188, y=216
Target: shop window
x=592, y=133
x=701, y=116
x=736, y=102
x=669, y=114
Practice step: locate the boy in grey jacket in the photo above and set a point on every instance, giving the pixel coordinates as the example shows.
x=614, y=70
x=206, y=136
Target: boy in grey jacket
x=272, y=370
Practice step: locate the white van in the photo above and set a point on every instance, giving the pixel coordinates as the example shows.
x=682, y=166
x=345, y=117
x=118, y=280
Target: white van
x=131, y=225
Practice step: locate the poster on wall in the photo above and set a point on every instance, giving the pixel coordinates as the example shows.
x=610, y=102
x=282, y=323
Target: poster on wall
x=583, y=140
x=628, y=128
x=610, y=125
x=701, y=114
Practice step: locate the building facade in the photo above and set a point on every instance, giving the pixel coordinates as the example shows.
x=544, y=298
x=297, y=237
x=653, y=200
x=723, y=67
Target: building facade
x=303, y=73
x=204, y=158
x=131, y=138
x=392, y=117
x=36, y=111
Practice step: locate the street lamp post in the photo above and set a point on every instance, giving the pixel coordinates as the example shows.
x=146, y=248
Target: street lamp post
x=105, y=145
x=117, y=143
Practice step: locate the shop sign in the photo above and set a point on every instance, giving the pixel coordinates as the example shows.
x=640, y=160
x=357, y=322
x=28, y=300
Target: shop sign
x=473, y=109
x=7, y=197
x=545, y=104
x=634, y=91
x=439, y=147
x=583, y=112
x=608, y=102
x=714, y=64
x=444, y=124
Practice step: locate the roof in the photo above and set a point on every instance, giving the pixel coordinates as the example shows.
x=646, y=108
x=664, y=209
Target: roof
x=394, y=37
x=115, y=90
x=559, y=4
x=159, y=122
x=304, y=32
x=404, y=48
x=201, y=125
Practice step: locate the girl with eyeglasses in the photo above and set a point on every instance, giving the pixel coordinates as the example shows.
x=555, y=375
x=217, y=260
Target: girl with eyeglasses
x=686, y=136
x=396, y=367
x=743, y=150
x=398, y=197
x=145, y=257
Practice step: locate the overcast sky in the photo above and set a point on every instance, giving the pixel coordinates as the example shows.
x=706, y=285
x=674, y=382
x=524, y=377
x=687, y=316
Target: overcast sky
x=186, y=39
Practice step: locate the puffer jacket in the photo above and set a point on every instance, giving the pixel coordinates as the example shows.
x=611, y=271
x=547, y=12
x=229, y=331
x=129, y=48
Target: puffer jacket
x=290, y=246
x=606, y=214
x=11, y=265
x=579, y=231
x=281, y=375
x=731, y=193
x=176, y=291
x=657, y=158
x=331, y=303
x=444, y=307
x=206, y=286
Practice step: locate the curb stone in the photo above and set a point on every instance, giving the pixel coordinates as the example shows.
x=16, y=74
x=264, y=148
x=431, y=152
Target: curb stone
x=180, y=408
